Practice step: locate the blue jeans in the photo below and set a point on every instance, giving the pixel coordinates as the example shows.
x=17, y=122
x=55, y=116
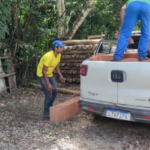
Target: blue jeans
x=49, y=97
x=135, y=11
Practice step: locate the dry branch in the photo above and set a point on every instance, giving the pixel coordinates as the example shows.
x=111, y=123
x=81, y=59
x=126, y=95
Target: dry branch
x=61, y=90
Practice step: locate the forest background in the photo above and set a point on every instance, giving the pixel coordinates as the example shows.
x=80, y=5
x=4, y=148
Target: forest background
x=28, y=27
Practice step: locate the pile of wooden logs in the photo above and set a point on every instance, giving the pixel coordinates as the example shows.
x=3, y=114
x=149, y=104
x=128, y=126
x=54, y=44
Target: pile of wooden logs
x=7, y=78
x=75, y=52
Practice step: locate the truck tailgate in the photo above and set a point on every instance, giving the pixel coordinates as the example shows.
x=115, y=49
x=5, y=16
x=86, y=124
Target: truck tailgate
x=99, y=84
x=135, y=90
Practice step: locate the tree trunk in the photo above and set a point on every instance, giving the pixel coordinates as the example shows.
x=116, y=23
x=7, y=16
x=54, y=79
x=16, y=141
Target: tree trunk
x=14, y=16
x=61, y=17
x=69, y=33
x=86, y=10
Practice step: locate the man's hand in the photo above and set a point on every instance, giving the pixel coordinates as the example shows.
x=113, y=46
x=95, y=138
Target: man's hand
x=130, y=41
x=49, y=88
x=62, y=79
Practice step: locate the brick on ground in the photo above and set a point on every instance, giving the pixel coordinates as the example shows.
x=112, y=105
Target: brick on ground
x=65, y=110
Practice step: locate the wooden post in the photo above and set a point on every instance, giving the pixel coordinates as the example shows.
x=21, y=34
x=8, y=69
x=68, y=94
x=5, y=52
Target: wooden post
x=11, y=79
x=94, y=47
x=78, y=47
x=77, y=64
x=71, y=72
x=79, y=42
x=69, y=56
x=84, y=57
x=70, y=80
x=65, y=48
x=84, y=47
x=74, y=71
x=77, y=56
x=81, y=47
x=74, y=80
x=69, y=48
x=2, y=81
x=89, y=47
x=74, y=47
x=73, y=56
x=88, y=55
x=63, y=64
x=80, y=56
x=77, y=80
x=63, y=56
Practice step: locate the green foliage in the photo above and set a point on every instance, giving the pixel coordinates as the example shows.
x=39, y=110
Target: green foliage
x=5, y=65
x=5, y=16
x=104, y=19
x=37, y=26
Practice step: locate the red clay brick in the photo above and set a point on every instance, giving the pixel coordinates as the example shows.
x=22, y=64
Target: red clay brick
x=64, y=110
x=130, y=55
x=71, y=108
x=133, y=60
x=95, y=58
x=107, y=57
x=55, y=114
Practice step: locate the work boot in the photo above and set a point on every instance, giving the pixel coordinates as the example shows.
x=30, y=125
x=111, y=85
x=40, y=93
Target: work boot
x=143, y=58
x=114, y=59
x=45, y=118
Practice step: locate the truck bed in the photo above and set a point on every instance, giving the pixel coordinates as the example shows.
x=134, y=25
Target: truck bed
x=128, y=57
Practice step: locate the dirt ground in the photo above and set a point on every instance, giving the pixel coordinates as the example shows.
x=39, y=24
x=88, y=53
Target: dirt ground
x=22, y=127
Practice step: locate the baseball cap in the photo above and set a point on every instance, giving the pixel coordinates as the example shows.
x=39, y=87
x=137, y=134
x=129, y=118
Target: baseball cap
x=57, y=43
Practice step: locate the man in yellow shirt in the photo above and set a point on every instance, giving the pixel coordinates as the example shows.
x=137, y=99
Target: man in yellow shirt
x=45, y=69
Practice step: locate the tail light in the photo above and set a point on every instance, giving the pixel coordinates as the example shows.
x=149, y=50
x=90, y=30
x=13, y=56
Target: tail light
x=90, y=108
x=83, y=70
x=148, y=118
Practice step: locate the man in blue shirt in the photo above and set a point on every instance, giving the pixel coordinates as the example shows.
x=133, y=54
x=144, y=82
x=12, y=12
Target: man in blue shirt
x=130, y=13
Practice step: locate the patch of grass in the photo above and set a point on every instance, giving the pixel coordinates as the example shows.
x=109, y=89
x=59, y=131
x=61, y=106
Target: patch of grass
x=71, y=134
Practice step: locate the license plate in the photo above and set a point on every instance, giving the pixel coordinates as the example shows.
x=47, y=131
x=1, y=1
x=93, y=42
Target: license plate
x=117, y=114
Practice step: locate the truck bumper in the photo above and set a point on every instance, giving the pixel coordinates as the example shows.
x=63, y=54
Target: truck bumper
x=137, y=115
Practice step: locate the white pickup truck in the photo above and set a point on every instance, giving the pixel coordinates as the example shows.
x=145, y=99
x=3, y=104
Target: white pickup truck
x=119, y=90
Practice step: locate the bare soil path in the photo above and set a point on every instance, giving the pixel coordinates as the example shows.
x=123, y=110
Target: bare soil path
x=22, y=127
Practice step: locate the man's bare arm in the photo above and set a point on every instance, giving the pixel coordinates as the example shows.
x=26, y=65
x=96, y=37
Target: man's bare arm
x=122, y=12
x=60, y=75
x=58, y=70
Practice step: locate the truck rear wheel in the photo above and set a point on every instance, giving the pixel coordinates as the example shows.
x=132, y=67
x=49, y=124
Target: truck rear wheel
x=97, y=116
